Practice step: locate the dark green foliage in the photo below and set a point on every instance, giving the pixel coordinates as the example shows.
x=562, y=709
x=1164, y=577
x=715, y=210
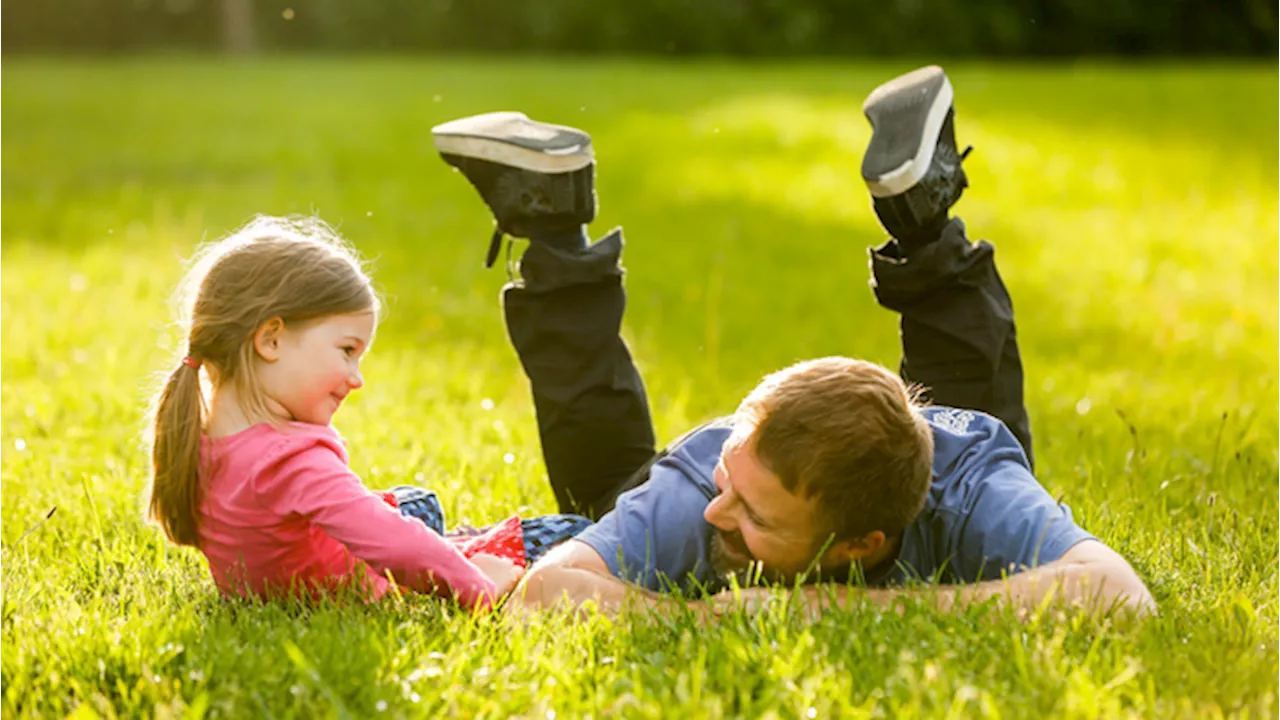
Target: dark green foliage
x=861, y=28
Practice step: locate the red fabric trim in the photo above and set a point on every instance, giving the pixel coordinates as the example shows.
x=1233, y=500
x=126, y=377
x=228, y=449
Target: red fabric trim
x=506, y=540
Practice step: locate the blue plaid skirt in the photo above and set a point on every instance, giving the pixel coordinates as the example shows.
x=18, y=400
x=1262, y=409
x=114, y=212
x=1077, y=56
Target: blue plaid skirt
x=540, y=533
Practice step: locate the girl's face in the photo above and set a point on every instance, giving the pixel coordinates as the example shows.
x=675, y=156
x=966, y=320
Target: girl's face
x=310, y=367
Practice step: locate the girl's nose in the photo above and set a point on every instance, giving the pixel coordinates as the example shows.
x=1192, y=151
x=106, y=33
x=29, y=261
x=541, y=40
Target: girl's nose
x=356, y=381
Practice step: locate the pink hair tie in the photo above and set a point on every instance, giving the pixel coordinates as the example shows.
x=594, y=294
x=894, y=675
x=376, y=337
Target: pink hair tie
x=191, y=362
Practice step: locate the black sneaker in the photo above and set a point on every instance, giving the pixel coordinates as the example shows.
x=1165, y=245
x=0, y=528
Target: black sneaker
x=912, y=166
x=537, y=178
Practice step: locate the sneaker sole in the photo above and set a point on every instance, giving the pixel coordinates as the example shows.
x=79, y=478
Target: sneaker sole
x=512, y=139
x=906, y=117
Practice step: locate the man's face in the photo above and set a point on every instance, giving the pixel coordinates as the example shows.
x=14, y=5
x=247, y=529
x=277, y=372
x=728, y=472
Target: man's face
x=755, y=519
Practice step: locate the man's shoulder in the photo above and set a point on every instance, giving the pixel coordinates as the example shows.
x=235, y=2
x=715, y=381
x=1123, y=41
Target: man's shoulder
x=956, y=420
x=656, y=534
x=960, y=421
x=984, y=504
x=696, y=453
x=964, y=440
x=970, y=447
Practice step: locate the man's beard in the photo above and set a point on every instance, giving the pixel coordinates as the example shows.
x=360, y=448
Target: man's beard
x=739, y=565
x=729, y=565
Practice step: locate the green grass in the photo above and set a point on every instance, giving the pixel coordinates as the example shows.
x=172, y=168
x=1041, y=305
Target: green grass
x=1135, y=212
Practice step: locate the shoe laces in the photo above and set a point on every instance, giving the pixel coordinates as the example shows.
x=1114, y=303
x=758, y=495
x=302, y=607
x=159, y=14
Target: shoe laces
x=495, y=244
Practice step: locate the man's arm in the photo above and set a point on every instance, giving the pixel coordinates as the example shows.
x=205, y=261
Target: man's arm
x=573, y=575
x=654, y=537
x=1090, y=575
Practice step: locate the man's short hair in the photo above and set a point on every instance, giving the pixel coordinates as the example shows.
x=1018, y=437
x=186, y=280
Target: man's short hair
x=848, y=433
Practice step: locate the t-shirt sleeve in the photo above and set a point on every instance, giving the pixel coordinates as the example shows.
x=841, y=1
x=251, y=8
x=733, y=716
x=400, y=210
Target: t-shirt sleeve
x=1011, y=524
x=655, y=536
x=314, y=482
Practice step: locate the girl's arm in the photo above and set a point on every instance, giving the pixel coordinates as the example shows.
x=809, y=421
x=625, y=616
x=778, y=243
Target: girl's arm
x=316, y=483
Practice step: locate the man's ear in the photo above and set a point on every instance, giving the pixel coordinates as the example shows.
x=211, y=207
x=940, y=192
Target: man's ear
x=267, y=338
x=846, y=551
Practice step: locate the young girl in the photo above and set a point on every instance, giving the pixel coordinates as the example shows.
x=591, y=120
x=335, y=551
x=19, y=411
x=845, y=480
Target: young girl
x=280, y=316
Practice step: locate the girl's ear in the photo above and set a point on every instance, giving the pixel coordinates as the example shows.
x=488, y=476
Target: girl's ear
x=266, y=339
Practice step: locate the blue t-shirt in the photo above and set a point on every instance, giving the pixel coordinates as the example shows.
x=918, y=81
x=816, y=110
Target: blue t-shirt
x=985, y=513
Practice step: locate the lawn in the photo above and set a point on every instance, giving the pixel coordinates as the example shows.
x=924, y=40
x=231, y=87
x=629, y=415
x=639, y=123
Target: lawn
x=1135, y=213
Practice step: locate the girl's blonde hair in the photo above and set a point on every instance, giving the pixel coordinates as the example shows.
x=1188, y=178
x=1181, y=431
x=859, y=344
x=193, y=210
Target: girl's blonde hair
x=295, y=268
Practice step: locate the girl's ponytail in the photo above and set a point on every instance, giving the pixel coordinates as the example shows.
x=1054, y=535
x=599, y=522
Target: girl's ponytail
x=176, y=456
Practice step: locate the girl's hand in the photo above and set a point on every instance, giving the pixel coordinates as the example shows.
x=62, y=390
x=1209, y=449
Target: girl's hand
x=503, y=573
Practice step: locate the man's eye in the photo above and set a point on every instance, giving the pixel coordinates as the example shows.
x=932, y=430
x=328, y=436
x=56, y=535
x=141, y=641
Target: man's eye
x=754, y=518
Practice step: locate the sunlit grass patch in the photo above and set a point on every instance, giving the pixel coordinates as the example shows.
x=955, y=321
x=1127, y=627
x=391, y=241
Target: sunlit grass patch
x=1134, y=211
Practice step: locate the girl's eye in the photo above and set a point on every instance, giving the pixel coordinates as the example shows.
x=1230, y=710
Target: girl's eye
x=349, y=350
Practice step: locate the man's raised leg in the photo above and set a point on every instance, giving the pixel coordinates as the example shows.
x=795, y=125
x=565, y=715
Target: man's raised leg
x=958, y=334
x=593, y=415
x=564, y=313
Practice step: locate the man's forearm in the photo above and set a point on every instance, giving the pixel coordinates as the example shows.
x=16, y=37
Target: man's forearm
x=1092, y=586
x=1070, y=585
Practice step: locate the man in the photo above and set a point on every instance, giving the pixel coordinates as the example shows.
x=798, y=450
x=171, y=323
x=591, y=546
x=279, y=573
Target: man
x=829, y=469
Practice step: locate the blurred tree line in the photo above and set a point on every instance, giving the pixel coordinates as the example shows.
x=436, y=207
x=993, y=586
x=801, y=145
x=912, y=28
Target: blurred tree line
x=681, y=27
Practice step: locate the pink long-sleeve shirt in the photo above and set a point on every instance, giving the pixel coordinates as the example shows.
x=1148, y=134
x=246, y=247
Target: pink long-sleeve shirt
x=282, y=512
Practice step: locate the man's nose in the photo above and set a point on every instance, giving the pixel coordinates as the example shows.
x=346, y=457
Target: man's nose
x=717, y=513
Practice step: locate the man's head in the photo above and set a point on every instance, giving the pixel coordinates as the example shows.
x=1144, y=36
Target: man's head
x=829, y=459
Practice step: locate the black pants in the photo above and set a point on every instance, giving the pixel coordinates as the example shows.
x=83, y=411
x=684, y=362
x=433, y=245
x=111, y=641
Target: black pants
x=958, y=340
